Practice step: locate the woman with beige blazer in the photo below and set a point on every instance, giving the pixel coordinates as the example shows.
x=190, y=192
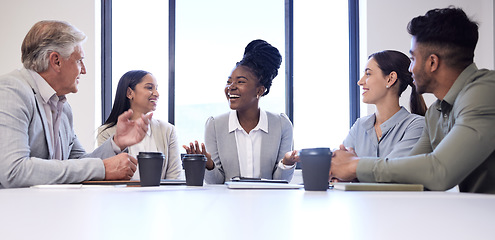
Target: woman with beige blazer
x=137, y=90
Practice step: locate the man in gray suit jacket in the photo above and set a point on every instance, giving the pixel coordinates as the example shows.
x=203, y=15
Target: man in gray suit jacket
x=38, y=142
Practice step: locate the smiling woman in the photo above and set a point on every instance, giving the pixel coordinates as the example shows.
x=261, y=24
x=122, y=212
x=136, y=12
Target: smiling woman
x=137, y=90
x=243, y=90
x=236, y=140
x=391, y=131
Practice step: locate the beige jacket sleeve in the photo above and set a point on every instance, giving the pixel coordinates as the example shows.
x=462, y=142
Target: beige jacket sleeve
x=105, y=133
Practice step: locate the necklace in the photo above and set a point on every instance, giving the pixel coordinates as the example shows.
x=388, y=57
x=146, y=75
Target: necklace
x=378, y=132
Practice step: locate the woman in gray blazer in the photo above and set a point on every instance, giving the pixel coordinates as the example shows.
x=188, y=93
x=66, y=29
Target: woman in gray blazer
x=137, y=90
x=249, y=142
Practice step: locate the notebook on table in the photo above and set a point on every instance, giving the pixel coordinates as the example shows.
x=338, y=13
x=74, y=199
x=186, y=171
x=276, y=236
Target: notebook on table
x=377, y=187
x=135, y=182
x=261, y=185
x=247, y=179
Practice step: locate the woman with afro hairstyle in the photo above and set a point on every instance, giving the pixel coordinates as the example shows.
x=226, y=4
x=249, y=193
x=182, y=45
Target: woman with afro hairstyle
x=247, y=141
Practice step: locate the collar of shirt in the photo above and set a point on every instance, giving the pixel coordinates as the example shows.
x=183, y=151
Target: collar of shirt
x=385, y=126
x=235, y=125
x=392, y=121
x=445, y=105
x=46, y=92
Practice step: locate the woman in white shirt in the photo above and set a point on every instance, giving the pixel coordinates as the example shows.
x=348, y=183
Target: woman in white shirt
x=137, y=90
x=249, y=142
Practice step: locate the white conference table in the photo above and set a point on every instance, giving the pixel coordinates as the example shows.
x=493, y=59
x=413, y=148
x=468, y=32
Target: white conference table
x=216, y=212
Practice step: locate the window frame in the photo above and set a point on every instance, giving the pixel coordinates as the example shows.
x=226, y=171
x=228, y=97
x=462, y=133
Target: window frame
x=106, y=60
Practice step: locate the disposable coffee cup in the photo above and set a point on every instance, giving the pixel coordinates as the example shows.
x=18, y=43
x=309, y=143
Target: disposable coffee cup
x=150, y=168
x=194, y=166
x=315, y=164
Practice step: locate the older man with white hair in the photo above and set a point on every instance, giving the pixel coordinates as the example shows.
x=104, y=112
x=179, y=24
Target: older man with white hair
x=38, y=142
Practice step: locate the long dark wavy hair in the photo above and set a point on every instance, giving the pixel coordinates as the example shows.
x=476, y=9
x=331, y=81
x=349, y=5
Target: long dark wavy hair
x=394, y=61
x=121, y=103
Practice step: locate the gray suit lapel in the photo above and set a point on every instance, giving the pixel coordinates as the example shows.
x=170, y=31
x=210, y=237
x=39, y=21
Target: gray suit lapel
x=63, y=135
x=227, y=147
x=39, y=105
x=269, y=147
x=231, y=146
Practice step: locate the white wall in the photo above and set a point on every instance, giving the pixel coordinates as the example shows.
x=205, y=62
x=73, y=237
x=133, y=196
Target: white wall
x=383, y=25
x=17, y=17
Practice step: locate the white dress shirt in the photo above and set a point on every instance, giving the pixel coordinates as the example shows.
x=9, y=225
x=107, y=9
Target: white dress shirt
x=146, y=145
x=248, y=144
x=53, y=105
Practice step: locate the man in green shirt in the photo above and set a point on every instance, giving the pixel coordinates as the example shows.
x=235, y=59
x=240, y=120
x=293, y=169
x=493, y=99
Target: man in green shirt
x=457, y=146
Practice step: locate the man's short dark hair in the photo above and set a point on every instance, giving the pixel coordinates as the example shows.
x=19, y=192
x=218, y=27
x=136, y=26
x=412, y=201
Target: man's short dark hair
x=448, y=33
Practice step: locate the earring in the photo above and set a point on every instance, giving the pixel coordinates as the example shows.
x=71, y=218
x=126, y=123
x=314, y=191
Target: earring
x=387, y=86
x=258, y=97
